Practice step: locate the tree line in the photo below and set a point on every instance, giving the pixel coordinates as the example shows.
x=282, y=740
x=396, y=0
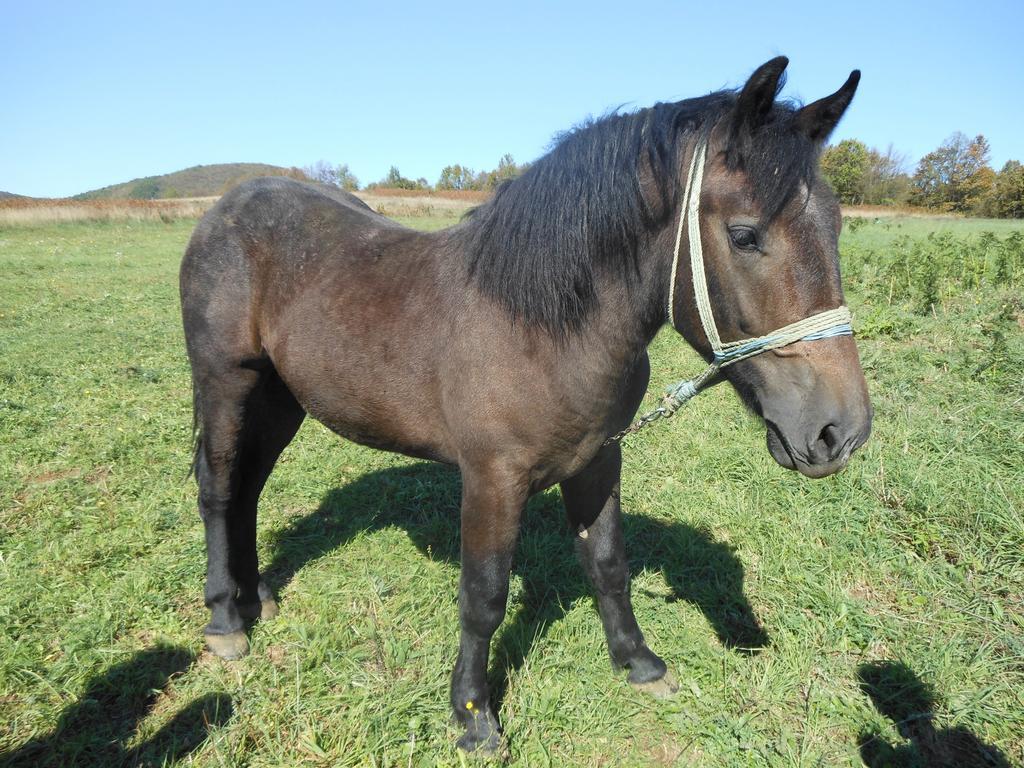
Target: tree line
x=956, y=177
x=453, y=177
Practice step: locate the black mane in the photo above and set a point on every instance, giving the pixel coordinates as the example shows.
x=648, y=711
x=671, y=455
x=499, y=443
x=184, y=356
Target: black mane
x=538, y=244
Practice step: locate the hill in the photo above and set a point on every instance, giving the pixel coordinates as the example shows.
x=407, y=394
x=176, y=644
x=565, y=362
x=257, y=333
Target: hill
x=198, y=181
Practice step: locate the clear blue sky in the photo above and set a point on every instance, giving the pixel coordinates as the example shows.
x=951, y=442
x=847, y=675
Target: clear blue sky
x=99, y=93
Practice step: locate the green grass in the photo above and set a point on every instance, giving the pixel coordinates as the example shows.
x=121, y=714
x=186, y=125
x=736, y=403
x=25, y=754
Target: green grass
x=802, y=618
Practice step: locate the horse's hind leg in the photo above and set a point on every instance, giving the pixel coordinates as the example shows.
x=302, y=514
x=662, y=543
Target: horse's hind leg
x=592, y=503
x=272, y=417
x=247, y=417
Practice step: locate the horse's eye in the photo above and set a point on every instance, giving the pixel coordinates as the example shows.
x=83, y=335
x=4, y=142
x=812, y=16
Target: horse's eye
x=744, y=238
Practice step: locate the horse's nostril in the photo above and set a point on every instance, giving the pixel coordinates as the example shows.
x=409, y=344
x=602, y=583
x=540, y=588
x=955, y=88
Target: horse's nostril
x=830, y=441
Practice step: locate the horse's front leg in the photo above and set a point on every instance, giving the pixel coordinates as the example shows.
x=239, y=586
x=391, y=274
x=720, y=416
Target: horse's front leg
x=492, y=504
x=592, y=503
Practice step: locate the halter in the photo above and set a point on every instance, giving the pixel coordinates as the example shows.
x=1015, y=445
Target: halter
x=823, y=325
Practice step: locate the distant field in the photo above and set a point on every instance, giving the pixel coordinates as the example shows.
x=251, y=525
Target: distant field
x=873, y=617
x=32, y=212
x=422, y=210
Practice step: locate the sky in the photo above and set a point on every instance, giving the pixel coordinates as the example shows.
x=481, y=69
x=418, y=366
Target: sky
x=99, y=93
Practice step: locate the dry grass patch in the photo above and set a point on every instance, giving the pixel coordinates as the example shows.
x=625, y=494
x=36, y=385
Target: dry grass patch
x=465, y=195
x=421, y=206
x=893, y=211
x=35, y=212
x=425, y=208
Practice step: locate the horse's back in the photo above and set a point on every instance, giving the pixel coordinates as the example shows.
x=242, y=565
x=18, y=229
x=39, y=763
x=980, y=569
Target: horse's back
x=268, y=235
x=278, y=207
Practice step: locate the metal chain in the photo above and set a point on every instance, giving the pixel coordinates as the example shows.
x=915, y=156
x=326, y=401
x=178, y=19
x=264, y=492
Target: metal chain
x=670, y=403
x=675, y=397
x=648, y=418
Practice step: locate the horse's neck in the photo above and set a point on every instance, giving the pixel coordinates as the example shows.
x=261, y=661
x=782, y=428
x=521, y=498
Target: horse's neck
x=629, y=312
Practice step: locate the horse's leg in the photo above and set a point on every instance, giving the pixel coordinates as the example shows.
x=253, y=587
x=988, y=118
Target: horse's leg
x=272, y=418
x=492, y=504
x=592, y=502
x=246, y=419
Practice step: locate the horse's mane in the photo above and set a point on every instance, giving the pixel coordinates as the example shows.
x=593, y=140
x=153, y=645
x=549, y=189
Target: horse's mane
x=537, y=245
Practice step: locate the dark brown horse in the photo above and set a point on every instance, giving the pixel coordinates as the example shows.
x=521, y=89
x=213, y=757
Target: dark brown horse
x=513, y=344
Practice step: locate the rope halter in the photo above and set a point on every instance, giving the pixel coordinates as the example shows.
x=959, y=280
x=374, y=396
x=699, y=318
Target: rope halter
x=823, y=325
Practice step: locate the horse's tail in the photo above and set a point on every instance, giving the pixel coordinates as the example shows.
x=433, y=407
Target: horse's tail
x=197, y=432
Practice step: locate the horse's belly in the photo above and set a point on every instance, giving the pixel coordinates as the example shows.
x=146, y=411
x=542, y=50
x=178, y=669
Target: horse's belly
x=369, y=403
x=391, y=444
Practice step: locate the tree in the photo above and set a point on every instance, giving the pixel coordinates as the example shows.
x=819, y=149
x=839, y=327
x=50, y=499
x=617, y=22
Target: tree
x=952, y=176
x=332, y=175
x=506, y=171
x=322, y=172
x=1007, y=196
x=455, y=177
x=977, y=191
x=146, y=189
x=463, y=177
x=845, y=167
x=858, y=174
x=395, y=180
x=346, y=179
x=885, y=182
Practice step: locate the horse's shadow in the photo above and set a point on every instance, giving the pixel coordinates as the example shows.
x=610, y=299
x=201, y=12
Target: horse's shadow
x=424, y=500
x=96, y=729
x=908, y=701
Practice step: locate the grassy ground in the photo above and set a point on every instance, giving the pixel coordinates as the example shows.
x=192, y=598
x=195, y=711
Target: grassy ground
x=425, y=211
x=29, y=212
x=876, y=616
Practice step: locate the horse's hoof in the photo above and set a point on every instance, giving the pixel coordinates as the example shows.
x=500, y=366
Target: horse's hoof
x=269, y=609
x=477, y=744
x=662, y=688
x=231, y=646
x=482, y=736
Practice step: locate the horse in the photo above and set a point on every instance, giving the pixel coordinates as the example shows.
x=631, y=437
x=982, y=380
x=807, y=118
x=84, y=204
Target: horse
x=513, y=344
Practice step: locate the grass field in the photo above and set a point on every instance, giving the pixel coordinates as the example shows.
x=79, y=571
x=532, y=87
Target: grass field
x=418, y=208
x=873, y=617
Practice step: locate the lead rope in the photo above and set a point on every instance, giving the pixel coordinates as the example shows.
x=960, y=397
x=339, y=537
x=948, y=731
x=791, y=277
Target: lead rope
x=823, y=325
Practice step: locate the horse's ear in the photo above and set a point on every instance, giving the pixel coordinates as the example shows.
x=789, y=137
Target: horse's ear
x=758, y=95
x=818, y=119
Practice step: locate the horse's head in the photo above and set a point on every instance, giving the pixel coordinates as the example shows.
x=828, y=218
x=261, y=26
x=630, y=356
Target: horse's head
x=769, y=226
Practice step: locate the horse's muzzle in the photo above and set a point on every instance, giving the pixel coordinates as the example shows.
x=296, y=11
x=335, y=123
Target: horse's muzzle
x=819, y=451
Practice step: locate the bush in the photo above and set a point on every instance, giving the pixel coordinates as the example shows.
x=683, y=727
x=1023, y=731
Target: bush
x=921, y=272
x=147, y=189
